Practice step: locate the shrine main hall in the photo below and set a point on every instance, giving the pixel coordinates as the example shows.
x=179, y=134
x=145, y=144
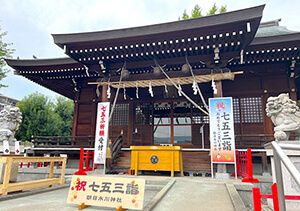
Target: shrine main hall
x=159, y=79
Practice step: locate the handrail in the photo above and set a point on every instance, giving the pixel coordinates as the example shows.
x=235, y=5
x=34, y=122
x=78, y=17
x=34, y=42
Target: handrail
x=280, y=156
x=116, y=147
x=61, y=141
x=252, y=140
x=254, y=135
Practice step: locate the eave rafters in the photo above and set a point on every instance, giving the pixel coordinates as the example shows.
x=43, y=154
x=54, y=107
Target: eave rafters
x=98, y=54
x=281, y=48
x=229, y=32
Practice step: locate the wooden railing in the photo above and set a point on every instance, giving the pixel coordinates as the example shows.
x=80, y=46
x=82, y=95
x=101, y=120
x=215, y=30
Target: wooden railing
x=63, y=141
x=116, y=147
x=253, y=140
x=9, y=161
x=242, y=141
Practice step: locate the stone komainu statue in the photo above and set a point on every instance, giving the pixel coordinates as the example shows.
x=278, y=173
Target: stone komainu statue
x=285, y=114
x=10, y=120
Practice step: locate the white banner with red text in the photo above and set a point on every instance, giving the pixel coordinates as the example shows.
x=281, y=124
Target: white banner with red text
x=101, y=136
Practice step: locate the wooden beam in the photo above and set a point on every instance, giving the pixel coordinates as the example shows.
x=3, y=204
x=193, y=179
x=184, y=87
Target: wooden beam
x=6, y=176
x=28, y=185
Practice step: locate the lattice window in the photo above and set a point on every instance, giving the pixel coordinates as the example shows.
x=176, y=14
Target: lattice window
x=236, y=110
x=251, y=110
x=143, y=114
x=120, y=115
x=200, y=119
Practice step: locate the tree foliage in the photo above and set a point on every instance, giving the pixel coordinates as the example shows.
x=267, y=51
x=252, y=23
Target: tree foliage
x=5, y=52
x=64, y=108
x=213, y=10
x=41, y=117
x=197, y=12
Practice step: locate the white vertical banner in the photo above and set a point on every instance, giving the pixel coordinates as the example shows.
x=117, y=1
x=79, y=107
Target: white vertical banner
x=101, y=135
x=6, y=150
x=17, y=148
x=222, y=143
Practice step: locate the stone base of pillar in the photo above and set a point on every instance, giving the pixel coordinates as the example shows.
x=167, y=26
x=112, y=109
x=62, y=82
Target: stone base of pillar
x=222, y=172
x=222, y=176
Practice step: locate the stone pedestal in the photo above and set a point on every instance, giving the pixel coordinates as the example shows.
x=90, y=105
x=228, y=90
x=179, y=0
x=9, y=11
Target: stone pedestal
x=222, y=172
x=290, y=186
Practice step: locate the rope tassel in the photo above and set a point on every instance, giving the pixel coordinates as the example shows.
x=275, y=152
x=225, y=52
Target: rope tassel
x=179, y=90
x=137, y=93
x=187, y=97
x=213, y=85
x=108, y=92
x=150, y=89
x=124, y=93
x=194, y=86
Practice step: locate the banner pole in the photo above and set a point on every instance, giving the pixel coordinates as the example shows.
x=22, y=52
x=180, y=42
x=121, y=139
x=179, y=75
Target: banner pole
x=212, y=169
x=235, y=162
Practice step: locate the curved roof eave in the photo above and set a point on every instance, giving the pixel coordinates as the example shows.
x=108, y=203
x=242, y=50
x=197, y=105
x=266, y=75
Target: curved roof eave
x=207, y=21
x=292, y=37
x=40, y=62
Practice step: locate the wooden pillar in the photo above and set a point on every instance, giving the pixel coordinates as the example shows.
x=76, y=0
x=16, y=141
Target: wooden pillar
x=75, y=114
x=292, y=89
x=172, y=125
x=104, y=93
x=219, y=88
x=130, y=127
x=268, y=124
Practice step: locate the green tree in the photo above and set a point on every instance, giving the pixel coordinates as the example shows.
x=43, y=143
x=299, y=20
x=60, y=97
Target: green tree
x=5, y=52
x=223, y=9
x=64, y=108
x=197, y=11
x=39, y=117
x=213, y=10
x=185, y=16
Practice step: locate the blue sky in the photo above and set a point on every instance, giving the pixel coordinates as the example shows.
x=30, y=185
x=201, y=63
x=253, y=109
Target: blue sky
x=30, y=23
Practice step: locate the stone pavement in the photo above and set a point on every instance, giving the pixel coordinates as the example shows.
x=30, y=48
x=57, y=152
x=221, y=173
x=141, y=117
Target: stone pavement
x=195, y=195
x=187, y=193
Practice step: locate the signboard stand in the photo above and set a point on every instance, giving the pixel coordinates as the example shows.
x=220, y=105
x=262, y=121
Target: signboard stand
x=222, y=141
x=82, y=206
x=120, y=209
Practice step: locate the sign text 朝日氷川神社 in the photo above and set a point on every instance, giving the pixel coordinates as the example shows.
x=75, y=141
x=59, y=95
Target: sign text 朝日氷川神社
x=107, y=191
x=101, y=135
x=222, y=144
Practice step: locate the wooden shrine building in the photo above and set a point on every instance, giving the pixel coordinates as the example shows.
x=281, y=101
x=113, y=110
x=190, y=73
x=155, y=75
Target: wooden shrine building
x=248, y=60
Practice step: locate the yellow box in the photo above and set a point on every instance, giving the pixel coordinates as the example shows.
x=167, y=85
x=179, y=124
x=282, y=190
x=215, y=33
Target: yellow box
x=156, y=158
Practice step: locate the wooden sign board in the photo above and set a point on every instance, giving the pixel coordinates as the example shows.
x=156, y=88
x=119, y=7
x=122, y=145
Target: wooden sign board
x=107, y=191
